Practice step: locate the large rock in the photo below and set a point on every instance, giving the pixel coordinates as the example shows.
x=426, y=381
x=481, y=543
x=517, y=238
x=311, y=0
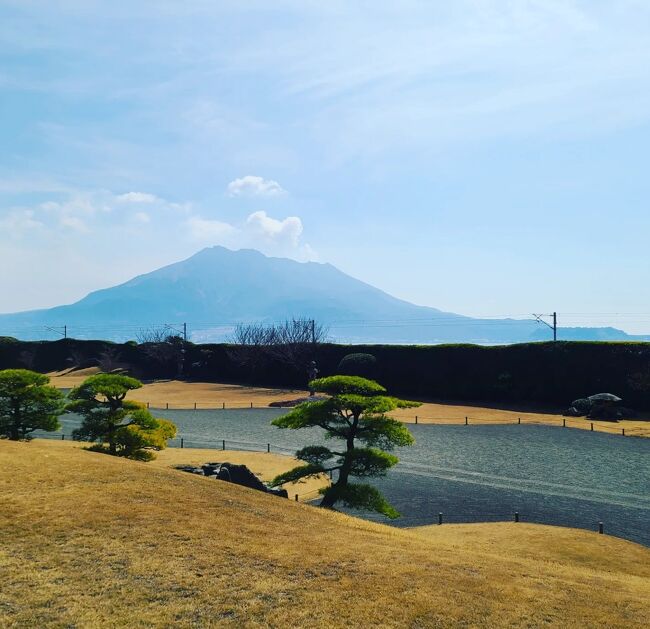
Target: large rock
x=232, y=473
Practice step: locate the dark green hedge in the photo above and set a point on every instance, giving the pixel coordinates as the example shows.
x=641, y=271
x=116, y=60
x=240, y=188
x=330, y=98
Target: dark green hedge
x=536, y=373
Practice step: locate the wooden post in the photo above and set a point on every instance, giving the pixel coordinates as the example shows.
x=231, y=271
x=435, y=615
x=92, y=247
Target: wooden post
x=516, y=516
x=519, y=420
x=600, y=527
x=167, y=406
x=296, y=497
x=147, y=404
x=416, y=419
x=268, y=447
x=251, y=405
x=194, y=405
x=564, y=422
x=223, y=444
x=224, y=406
x=63, y=437
x=182, y=442
x=623, y=431
x=466, y=421
x=592, y=426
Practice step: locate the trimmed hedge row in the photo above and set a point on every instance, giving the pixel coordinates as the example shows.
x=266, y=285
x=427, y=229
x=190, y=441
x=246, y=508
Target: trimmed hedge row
x=536, y=373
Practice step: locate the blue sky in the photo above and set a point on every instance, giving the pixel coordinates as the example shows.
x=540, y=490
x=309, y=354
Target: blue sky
x=484, y=157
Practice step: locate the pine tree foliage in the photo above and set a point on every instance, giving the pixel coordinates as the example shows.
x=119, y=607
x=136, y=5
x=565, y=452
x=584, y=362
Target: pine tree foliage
x=28, y=403
x=119, y=426
x=355, y=412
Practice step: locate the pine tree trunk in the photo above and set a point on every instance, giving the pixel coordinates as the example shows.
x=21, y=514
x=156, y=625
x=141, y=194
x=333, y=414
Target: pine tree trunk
x=330, y=498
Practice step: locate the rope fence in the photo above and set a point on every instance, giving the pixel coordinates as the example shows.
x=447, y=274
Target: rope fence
x=563, y=422
x=515, y=516
x=207, y=406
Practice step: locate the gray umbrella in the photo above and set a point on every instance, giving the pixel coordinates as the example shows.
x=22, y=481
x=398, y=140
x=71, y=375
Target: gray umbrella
x=605, y=397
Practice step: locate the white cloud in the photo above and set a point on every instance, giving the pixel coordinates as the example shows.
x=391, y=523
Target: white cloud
x=287, y=231
x=141, y=217
x=137, y=197
x=74, y=223
x=209, y=230
x=19, y=221
x=254, y=186
x=278, y=237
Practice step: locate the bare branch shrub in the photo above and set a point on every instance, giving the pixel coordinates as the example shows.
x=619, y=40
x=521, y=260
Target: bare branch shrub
x=292, y=342
x=153, y=334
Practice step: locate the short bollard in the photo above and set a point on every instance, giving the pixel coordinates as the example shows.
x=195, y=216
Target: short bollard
x=268, y=447
x=466, y=421
x=600, y=527
x=223, y=444
x=182, y=442
x=516, y=516
x=440, y=518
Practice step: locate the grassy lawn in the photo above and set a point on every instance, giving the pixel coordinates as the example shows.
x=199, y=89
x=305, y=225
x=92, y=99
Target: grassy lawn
x=90, y=540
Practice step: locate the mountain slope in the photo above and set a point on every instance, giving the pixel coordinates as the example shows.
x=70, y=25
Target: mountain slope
x=215, y=288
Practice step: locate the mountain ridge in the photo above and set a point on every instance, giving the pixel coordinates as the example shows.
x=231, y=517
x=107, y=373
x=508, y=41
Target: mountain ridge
x=216, y=288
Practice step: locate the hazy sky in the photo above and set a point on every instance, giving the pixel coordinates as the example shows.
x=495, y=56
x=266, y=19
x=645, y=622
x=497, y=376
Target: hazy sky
x=481, y=156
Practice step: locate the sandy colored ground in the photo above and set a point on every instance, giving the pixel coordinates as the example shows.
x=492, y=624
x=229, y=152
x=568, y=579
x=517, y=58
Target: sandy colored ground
x=178, y=394
x=90, y=540
x=264, y=465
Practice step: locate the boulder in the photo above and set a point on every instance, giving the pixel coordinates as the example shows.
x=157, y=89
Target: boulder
x=231, y=473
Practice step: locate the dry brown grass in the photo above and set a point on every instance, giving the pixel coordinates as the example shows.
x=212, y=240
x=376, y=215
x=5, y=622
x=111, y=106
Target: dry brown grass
x=90, y=540
x=178, y=394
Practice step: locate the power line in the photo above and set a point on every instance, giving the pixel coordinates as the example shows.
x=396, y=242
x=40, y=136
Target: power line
x=540, y=319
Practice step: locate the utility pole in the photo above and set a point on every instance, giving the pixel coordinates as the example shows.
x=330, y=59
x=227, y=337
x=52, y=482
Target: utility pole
x=169, y=326
x=58, y=329
x=553, y=326
x=313, y=332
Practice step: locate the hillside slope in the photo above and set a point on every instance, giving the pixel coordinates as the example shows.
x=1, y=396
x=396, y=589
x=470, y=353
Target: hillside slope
x=89, y=540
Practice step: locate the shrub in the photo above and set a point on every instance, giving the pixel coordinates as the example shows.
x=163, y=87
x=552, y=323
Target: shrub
x=359, y=364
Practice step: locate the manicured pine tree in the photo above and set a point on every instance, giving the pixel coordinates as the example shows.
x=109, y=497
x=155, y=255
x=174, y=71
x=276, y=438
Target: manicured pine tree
x=28, y=403
x=356, y=414
x=121, y=427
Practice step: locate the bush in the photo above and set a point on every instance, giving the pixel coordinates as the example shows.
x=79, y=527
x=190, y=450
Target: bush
x=364, y=365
